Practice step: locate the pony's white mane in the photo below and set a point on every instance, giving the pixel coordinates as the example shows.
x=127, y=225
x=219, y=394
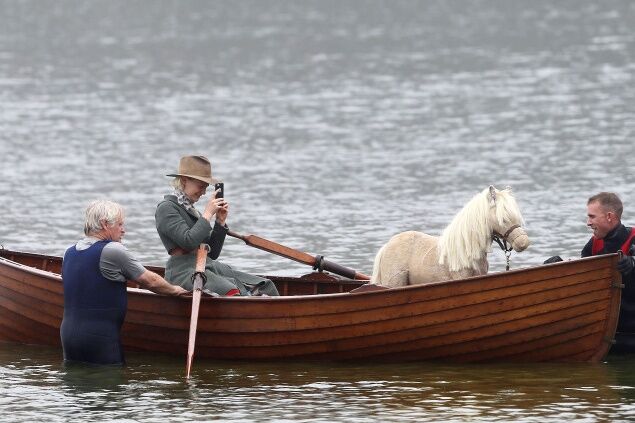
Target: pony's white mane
x=466, y=241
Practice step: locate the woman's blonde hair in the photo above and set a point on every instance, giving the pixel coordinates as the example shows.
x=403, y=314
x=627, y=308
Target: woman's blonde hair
x=178, y=183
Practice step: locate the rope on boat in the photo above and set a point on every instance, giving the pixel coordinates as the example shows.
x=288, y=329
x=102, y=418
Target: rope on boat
x=201, y=274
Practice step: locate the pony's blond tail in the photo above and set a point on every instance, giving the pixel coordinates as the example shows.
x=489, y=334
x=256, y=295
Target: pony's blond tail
x=376, y=276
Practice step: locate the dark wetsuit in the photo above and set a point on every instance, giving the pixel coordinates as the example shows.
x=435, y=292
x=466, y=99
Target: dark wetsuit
x=613, y=242
x=94, y=309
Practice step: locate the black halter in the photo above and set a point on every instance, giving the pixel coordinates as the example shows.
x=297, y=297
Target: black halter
x=501, y=240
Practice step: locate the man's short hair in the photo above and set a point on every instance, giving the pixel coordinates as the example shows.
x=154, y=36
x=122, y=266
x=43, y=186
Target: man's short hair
x=101, y=210
x=609, y=201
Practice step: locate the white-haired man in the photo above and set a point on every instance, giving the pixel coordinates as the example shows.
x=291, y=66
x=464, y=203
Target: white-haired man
x=94, y=274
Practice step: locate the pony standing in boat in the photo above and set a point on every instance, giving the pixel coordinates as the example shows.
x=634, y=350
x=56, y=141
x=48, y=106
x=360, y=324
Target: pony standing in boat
x=412, y=258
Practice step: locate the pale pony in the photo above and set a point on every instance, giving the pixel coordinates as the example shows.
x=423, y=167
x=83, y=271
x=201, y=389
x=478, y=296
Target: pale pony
x=412, y=258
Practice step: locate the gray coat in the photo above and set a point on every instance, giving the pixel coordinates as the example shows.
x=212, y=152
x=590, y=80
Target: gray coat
x=179, y=227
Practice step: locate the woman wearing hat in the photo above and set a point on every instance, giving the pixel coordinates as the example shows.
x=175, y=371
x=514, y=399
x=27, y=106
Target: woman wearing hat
x=182, y=229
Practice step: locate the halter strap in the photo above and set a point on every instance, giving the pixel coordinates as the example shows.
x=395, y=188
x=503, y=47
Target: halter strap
x=501, y=240
x=510, y=230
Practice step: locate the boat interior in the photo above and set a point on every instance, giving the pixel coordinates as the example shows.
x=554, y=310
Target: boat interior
x=312, y=283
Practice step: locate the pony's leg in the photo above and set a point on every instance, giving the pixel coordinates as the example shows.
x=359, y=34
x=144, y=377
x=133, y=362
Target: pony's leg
x=400, y=278
x=375, y=278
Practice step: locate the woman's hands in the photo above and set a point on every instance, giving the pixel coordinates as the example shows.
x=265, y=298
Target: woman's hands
x=218, y=207
x=223, y=211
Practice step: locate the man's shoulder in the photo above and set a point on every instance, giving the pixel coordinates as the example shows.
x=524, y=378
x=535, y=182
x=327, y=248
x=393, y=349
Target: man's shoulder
x=116, y=249
x=118, y=263
x=623, y=233
x=116, y=245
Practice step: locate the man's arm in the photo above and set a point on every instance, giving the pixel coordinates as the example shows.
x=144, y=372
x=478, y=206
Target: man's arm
x=155, y=283
x=627, y=263
x=587, y=250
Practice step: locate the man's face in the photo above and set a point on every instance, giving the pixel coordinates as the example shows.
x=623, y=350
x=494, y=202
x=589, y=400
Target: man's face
x=115, y=232
x=600, y=220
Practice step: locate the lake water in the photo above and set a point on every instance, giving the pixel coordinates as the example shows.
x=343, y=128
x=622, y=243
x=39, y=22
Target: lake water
x=334, y=125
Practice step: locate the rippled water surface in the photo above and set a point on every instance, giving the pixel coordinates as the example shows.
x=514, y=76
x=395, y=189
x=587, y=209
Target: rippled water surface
x=35, y=383
x=334, y=124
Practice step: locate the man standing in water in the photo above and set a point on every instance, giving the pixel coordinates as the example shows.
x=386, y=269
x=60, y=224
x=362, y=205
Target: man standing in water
x=94, y=274
x=604, y=217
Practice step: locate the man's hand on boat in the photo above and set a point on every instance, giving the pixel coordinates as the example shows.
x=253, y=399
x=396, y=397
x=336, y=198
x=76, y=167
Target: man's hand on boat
x=552, y=259
x=155, y=283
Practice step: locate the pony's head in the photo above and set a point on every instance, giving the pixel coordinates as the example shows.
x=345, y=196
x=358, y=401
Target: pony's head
x=505, y=218
x=466, y=241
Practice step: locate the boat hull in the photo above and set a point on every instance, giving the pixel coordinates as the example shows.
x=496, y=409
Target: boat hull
x=565, y=311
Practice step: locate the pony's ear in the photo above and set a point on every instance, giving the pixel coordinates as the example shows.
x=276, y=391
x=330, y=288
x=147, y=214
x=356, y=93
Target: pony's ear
x=492, y=195
x=508, y=188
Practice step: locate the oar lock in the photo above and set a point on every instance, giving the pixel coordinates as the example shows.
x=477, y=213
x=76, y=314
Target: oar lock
x=319, y=263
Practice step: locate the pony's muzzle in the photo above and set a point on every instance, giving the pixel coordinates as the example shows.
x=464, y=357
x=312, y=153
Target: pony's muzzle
x=519, y=239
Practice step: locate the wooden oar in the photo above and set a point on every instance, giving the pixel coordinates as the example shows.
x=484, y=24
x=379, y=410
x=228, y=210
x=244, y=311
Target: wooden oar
x=201, y=256
x=316, y=262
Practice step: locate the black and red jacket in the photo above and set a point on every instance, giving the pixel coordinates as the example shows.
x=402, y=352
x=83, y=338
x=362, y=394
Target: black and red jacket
x=620, y=238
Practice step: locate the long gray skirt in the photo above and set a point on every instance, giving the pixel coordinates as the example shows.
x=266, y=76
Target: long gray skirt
x=221, y=278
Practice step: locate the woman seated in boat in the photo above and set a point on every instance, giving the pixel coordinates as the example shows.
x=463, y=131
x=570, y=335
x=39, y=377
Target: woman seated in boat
x=182, y=228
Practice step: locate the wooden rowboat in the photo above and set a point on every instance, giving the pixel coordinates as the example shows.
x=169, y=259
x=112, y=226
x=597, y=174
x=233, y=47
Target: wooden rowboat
x=565, y=311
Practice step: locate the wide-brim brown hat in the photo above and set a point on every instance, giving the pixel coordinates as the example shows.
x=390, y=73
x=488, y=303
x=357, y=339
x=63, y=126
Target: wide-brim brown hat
x=196, y=167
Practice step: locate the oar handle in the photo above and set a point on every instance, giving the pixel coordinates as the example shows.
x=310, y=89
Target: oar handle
x=316, y=262
x=338, y=269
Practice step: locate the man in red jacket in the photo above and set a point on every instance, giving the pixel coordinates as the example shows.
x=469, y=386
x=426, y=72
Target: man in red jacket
x=604, y=217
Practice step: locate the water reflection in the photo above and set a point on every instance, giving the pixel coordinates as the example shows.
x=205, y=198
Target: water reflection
x=151, y=386
x=466, y=390
x=83, y=378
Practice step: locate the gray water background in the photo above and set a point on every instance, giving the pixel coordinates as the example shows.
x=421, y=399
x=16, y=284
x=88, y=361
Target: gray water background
x=334, y=125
